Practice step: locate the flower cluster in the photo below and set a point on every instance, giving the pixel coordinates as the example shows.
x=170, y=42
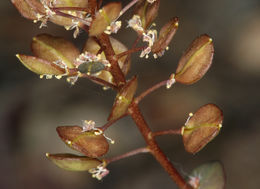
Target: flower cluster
x=149, y=36
x=43, y=18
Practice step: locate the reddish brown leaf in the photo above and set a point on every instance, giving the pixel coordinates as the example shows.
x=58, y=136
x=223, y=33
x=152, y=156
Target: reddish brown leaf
x=29, y=8
x=53, y=48
x=123, y=99
x=202, y=127
x=88, y=143
x=104, y=17
x=40, y=66
x=147, y=12
x=73, y=162
x=166, y=34
x=195, y=61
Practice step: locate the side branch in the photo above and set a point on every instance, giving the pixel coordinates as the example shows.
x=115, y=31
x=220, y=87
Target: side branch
x=167, y=132
x=150, y=90
x=128, y=154
x=154, y=148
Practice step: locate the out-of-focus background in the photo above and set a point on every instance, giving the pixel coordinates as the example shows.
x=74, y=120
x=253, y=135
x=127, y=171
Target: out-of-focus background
x=31, y=108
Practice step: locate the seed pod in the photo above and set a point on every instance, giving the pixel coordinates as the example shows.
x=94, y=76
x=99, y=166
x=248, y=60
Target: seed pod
x=40, y=66
x=202, y=127
x=53, y=48
x=73, y=162
x=104, y=17
x=123, y=99
x=88, y=143
x=147, y=12
x=165, y=36
x=195, y=61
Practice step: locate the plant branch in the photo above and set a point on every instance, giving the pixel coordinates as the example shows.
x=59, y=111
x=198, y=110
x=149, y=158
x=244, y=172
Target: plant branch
x=81, y=9
x=108, y=124
x=150, y=90
x=98, y=80
x=128, y=6
x=118, y=56
x=115, y=70
x=167, y=132
x=128, y=154
x=154, y=148
x=59, y=13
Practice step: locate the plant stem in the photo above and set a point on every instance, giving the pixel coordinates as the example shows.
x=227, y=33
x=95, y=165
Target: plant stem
x=108, y=124
x=81, y=9
x=128, y=154
x=167, y=132
x=128, y=6
x=118, y=56
x=150, y=90
x=115, y=70
x=72, y=17
x=154, y=148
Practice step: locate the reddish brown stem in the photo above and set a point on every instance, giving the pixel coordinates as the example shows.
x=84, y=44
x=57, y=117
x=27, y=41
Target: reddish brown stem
x=154, y=148
x=72, y=17
x=92, y=4
x=101, y=81
x=167, y=132
x=150, y=90
x=133, y=50
x=70, y=9
x=128, y=6
x=108, y=124
x=128, y=154
x=115, y=70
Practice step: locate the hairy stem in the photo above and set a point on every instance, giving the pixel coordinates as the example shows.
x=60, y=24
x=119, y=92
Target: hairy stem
x=128, y=154
x=154, y=148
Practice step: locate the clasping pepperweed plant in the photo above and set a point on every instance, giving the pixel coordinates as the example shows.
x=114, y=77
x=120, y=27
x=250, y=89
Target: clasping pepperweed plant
x=106, y=61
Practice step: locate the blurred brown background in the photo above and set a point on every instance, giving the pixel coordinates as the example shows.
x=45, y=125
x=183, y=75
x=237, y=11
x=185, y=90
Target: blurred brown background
x=30, y=108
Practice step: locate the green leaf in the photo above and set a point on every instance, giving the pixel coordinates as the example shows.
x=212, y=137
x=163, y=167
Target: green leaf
x=195, y=61
x=208, y=176
x=104, y=17
x=202, y=127
x=91, y=67
x=88, y=143
x=40, y=66
x=53, y=49
x=73, y=162
x=123, y=99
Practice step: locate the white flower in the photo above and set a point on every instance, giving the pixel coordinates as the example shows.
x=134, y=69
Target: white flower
x=88, y=125
x=170, y=81
x=136, y=23
x=113, y=27
x=99, y=172
x=151, y=1
x=149, y=37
